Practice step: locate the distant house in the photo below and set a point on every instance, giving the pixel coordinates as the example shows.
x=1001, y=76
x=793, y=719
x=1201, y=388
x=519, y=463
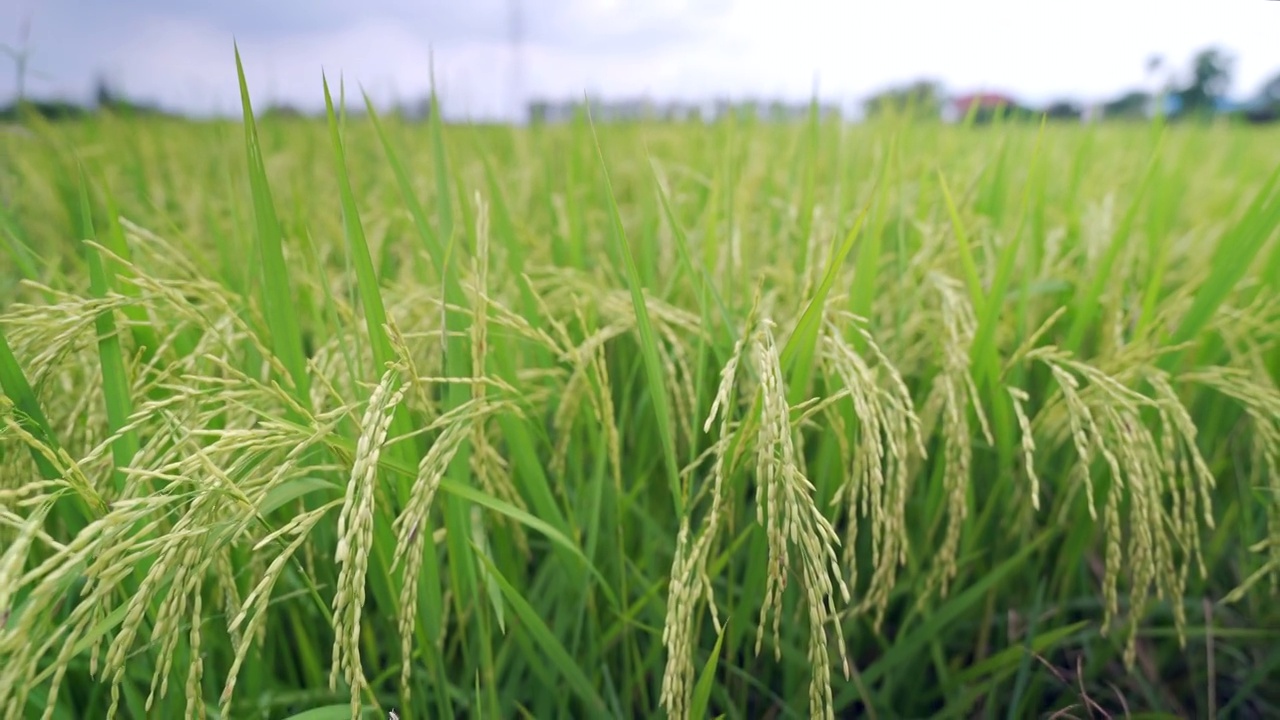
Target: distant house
x=984, y=105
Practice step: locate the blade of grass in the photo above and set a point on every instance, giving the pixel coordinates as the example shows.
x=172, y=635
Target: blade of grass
x=19, y=250
x=906, y=646
x=976, y=294
x=984, y=352
x=648, y=340
x=702, y=690
x=499, y=506
x=1087, y=302
x=367, y=284
x=457, y=364
x=1027, y=650
x=286, y=338
x=1230, y=261
x=144, y=335
x=867, y=264
x=456, y=522
x=797, y=354
x=430, y=591
x=13, y=382
x=333, y=712
x=115, y=381
x=357, y=246
x=808, y=155
x=430, y=240
x=705, y=285
x=547, y=641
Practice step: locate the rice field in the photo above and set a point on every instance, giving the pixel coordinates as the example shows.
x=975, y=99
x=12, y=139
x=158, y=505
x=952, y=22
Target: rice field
x=308, y=419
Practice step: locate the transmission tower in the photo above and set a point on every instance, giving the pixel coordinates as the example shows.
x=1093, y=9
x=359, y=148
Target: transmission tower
x=21, y=55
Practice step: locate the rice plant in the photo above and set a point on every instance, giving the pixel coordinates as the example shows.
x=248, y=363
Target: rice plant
x=368, y=418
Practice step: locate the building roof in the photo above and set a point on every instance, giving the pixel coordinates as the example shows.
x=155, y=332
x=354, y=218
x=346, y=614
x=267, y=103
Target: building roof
x=985, y=99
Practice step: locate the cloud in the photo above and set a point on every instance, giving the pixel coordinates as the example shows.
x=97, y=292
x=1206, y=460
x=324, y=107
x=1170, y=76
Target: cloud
x=192, y=63
x=180, y=53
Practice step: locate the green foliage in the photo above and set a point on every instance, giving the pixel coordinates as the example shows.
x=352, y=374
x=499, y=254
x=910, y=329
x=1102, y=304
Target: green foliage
x=669, y=419
x=920, y=100
x=1209, y=80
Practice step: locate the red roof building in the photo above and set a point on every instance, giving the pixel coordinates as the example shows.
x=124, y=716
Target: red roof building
x=984, y=103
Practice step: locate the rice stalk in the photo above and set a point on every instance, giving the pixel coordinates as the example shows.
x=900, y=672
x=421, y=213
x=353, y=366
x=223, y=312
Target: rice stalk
x=355, y=536
x=789, y=515
x=954, y=392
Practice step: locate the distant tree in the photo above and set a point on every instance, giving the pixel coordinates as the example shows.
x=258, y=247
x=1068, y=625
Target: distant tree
x=108, y=99
x=1064, y=110
x=284, y=111
x=1270, y=92
x=1210, y=79
x=921, y=99
x=48, y=109
x=1266, y=105
x=538, y=110
x=1132, y=104
x=103, y=94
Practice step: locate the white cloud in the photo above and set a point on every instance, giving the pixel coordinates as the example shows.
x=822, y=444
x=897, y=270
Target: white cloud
x=182, y=55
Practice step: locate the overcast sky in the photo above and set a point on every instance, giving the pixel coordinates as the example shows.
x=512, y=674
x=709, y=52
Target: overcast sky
x=179, y=52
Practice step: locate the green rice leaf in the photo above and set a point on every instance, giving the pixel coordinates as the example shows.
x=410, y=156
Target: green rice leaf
x=144, y=335
x=648, y=341
x=430, y=240
x=499, y=506
x=702, y=690
x=547, y=642
x=797, y=354
x=333, y=712
x=291, y=490
x=375, y=313
x=115, y=381
x=909, y=643
x=491, y=582
x=705, y=285
x=21, y=252
x=1087, y=301
x=457, y=364
x=277, y=296
x=13, y=381
x=977, y=295
x=1233, y=258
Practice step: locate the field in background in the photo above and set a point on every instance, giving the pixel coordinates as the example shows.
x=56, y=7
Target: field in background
x=741, y=419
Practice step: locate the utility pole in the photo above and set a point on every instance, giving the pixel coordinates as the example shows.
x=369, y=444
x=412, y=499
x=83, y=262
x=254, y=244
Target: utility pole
x=20, y=56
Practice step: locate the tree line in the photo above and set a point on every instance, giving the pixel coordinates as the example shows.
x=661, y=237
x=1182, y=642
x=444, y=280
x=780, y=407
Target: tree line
x=1198, y=92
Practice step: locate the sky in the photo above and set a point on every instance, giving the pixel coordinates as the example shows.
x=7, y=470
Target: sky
x=180, y=53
